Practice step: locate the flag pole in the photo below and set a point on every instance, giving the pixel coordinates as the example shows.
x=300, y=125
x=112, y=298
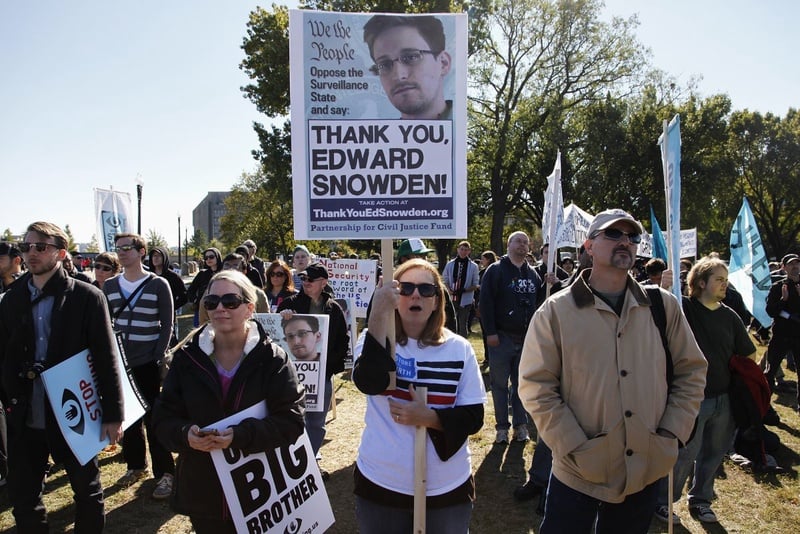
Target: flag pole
x=420, y=469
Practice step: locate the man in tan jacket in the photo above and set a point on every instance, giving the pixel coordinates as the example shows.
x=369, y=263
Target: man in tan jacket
x=594, y=377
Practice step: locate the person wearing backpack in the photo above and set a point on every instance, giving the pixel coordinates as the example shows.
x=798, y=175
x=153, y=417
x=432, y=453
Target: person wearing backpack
x=593, y=376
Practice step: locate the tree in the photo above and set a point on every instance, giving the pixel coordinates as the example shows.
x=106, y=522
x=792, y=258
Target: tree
x=765, y=150
x=155, y=239
x=8, y=235
x=71, y=246
x=544, y=60
x=94, y=245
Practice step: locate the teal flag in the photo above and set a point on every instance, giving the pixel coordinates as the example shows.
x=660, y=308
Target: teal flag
x=657, y=241
x=748, y=270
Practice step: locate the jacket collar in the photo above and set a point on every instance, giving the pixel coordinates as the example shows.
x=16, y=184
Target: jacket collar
x=205, y=339
x=582, y=292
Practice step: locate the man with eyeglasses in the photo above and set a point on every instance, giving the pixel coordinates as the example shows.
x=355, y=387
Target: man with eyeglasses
x=411, y=61
x=47, y=317
x=314, y=300
x=594, y=377
x=141, y=306
x=302, y=335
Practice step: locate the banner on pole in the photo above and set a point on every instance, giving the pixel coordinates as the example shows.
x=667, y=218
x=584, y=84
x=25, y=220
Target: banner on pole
x=113, y=211
x=748, y=269
x=670, y=142
x=553, y=211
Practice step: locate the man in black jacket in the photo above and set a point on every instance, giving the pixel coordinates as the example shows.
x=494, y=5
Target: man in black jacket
x=46, y=318
x=783, y=305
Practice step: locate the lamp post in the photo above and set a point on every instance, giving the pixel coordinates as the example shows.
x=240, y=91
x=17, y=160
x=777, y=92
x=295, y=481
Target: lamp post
x=179, y=239
x=139, y=184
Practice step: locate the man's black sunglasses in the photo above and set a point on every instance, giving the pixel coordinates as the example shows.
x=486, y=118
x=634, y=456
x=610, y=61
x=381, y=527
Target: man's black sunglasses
x=230, y=301
x=425, y=290
x=614, y=234
x=40, y=247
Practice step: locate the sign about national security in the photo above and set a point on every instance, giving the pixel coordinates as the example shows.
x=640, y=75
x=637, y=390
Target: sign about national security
x=273, y=491
x=378, y=124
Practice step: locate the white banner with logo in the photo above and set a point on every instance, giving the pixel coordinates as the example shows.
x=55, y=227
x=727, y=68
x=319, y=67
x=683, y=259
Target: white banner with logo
x=114, y=215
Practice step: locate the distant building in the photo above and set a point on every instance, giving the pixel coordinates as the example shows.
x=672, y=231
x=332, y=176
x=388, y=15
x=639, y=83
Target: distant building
x=209, y=211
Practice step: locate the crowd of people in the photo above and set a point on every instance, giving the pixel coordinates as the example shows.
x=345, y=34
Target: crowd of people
x=678, y=379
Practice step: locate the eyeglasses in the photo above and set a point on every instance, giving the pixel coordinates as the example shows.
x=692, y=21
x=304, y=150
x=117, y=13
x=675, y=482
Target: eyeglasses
x=210, y=257
x=425, y=290
x=40, y=247
x=102, y=267
x=279, y=274
x=615, y=234
x=300, y=334
x=408, y=58
x=306, y=278
x=230, y=301
x=126, y=248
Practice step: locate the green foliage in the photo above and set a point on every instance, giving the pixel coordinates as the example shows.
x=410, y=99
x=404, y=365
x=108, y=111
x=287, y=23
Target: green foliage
x=71, y=246
x=545, y=60
x=155, y=239
x=94, y=245
x=8, y=235
x=544, y=75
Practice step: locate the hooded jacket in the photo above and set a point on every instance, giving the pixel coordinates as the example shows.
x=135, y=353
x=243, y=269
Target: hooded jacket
x=198, y=286
x=179, y=295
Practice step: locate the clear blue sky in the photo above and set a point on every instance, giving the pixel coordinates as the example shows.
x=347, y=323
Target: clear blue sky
x=94, y=93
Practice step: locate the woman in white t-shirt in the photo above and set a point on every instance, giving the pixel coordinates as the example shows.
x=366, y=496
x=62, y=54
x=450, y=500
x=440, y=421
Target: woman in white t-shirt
x=427, y=354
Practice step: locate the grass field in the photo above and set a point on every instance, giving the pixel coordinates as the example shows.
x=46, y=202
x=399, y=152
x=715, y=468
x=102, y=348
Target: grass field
x=747, y=503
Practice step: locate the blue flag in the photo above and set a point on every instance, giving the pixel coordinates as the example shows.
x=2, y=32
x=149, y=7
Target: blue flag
x=749, y=266
x=659, y=246
x=670, y=142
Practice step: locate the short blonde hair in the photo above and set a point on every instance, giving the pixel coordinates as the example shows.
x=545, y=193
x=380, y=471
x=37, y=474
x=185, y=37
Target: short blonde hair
x=239, y=280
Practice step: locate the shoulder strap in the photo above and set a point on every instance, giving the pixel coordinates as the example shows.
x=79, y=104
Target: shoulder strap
x=660, y=319
x=130, y=297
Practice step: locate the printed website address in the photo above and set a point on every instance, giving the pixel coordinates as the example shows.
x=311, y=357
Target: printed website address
x=378, y=213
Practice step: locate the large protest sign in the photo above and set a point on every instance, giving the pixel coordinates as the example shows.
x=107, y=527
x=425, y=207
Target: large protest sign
x=305, y=339
x=670, y=141
x=75, y=399
x=364, y=164
x=113, y=215
x=354, y=280
x=273, y=491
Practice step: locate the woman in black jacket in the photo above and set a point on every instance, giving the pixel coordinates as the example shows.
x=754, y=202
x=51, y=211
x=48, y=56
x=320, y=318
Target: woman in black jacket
x=212, y=258
x=221, y=369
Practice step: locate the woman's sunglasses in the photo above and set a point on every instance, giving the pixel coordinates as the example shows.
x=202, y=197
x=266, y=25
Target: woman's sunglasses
x=102, y=267
x=279, y=274
x=230, y=301
x=425, y=290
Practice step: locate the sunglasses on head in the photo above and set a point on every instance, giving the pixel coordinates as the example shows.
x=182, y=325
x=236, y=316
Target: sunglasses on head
x=230, y=301
x=615, y=234
x=425, y=290
x=102, y=267
x=40, y=247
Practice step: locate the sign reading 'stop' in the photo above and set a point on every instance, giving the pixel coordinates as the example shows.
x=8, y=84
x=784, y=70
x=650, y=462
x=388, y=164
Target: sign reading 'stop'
x=378, y=124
